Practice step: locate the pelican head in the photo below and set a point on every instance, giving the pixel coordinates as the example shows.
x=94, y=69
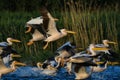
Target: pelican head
x=106, y=42
x=11, y=40
x=64, y=32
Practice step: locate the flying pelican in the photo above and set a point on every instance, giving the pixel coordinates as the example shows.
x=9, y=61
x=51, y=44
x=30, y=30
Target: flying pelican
x=9, y=42
x=35, y=26
x=49, y=29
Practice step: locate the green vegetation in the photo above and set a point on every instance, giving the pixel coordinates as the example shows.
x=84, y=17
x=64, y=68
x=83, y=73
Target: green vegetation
x=90, y=25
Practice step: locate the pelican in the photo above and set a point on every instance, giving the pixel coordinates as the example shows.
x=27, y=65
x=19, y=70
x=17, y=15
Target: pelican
x=9, y=42
x=77, y=65
x=5, y=66
x=49, y=62
x=35, y=26
x=105, y=43
x=4, y=69
x=49, y=29
x=47, y=67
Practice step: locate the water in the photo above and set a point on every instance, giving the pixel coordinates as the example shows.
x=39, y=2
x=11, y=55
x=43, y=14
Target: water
x=33, y=73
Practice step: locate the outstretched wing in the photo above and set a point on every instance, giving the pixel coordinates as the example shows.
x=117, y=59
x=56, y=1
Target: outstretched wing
x=37, y=24
x=48, y=22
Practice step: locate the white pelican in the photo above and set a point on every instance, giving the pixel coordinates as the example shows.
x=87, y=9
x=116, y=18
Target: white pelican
x=5, y=66
x=49, y=29
x=96, y=50
x=105, y=43
x=47, y=67
x=35, y=26
x=9, y=42
x=4, y=69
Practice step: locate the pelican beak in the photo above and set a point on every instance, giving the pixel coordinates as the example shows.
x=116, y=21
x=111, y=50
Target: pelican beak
x=29, y=29
x=19, y=63
x=15, y=40
x=112, y=42
x=15, y=55
x=99, y=49
x=72, y=32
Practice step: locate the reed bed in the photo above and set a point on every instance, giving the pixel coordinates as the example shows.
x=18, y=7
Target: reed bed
x=90, y=27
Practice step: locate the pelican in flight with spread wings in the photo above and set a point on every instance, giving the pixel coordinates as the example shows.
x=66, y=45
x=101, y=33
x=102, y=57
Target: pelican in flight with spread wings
x=49, y=29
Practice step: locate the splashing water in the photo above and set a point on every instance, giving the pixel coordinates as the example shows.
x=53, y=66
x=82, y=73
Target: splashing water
x=33, y=73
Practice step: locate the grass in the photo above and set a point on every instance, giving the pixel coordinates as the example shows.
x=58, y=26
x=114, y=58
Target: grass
x=90, y=27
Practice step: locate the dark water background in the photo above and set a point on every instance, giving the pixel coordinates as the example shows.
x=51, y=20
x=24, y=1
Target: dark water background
x=33, y=73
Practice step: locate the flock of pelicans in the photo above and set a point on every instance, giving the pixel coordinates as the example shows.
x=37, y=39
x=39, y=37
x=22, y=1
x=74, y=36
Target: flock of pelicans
x=96, y=57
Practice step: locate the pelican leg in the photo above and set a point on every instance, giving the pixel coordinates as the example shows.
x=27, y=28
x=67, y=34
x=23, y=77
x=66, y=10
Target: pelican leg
x=30, y=43
x=29, y=29
x=46, y=45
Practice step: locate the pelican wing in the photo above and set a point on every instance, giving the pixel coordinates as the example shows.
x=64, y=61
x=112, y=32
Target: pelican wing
x=38, y=20
x=99, y=45
x=3, y=44
x=52, y=30
x=62, y=47
x=48, y=21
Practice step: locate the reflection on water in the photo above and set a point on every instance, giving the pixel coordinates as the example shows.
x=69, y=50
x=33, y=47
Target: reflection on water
x=33, y=73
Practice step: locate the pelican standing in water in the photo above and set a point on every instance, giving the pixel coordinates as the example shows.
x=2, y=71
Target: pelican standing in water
x=49, y=29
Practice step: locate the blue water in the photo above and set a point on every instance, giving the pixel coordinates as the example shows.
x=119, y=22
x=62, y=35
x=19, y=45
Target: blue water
x=33, y=73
